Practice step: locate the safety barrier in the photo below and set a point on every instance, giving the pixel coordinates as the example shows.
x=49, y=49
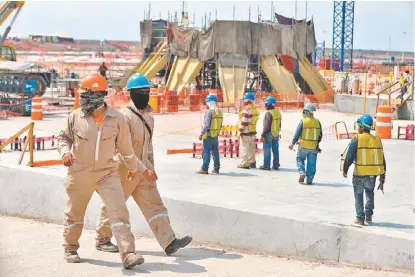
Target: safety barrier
x=3, y=115
x=228, y=131
x=37, y=113
x=335, y=132
x=227, y=147
x=16, y=144
x=383, y=127
x=409, y=132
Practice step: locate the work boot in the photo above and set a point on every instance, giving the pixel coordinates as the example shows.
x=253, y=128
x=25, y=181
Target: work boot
x=72, y=257
x=107, y=247
x=369, y=218
x=215, y=171
x=132, y=260
x=177, y=244
x=275, y=168
x=360, y=222
x=243, y=166
x=301, y=179
x=309, y=182
x=253, y=165
x=262, y=167
x=201, y=171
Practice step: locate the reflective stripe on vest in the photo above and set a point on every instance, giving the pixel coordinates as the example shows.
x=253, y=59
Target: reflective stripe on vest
x=255, y=118
x=369, y=157
x=310, y=133
x=215, y=124
x=276, y=122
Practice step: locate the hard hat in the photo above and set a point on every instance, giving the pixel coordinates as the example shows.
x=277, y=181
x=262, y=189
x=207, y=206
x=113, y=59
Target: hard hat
x=137, y=81
x=211, y=98
x=309, y=107
x=271, y=100
x=93, y=82
x=365, y=121
x=249, y=96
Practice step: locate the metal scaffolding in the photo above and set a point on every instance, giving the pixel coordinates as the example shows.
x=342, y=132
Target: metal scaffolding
x=343, y=27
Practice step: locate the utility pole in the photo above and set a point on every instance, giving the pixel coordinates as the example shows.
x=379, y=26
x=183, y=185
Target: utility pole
x=149, y=10
x=233, y=12
x=249, y=12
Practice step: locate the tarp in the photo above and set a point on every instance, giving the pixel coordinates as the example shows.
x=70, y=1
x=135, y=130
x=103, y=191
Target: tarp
x=243, y=38
x=17, y=66
x=146, y=32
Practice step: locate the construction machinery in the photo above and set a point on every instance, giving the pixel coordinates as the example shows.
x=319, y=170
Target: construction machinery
x=18, y=76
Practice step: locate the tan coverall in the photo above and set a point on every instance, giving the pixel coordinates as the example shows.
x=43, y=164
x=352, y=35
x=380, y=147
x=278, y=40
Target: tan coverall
x=94, y=169
x=144, y=193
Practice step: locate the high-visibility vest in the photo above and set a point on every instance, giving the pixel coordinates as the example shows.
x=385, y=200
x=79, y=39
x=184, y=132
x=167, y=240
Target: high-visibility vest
x=276, y=122
x=255, y=117
x=215, y=124
x=369, y=157
x=310, y=133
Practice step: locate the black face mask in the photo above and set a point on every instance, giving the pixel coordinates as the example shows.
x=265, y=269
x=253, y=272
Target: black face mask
x=140, y=98
x=269, y=106
x=91, y=101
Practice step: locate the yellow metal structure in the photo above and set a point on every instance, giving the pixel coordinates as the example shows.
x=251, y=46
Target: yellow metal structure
x=155, y=62
x=232, y=81
x=313, y=78
x=8, y=52
x=281, y=79
x=184, y=71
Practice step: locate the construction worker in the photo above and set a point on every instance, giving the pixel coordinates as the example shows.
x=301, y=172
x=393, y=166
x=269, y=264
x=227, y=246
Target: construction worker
x=143, y=187
x=308, y=135
x=94, y=132
x=366, y=151
x=211, y=127
x=271, y=134
x=404, y=81
x=248, y=118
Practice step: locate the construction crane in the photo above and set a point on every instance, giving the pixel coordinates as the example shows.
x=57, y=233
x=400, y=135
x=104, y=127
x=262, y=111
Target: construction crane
x=8, y=53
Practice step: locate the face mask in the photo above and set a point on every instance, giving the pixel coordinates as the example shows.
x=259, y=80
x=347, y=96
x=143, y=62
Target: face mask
x=269, y=106
x=91, y=101
x=140, y=98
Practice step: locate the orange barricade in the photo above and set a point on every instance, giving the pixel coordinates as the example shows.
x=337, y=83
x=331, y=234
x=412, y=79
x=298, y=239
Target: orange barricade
x=172, y=102
x=155, y=103
x=47, y=163
x=37, y=113
x=384, y=122
x=194, y=102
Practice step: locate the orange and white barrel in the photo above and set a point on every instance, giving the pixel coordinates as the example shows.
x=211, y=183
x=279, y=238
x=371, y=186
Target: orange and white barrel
x=383, y=123
x=37, y=112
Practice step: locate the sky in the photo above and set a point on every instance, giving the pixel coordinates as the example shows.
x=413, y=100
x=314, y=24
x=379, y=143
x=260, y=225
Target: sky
x=374, y=23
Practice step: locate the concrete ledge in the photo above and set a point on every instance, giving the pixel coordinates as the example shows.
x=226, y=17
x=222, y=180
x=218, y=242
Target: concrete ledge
x=30, y=193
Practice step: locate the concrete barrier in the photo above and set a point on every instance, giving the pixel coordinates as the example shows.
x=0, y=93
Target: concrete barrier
x=38, y=194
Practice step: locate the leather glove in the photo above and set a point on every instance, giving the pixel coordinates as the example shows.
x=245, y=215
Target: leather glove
x=382, y=179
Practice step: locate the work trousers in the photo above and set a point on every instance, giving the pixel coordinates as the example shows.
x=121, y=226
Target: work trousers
x=311, y=156
x=248, y=150
x=78, y=195
x=271, y=143
x=148, y=199
x=364, y=184
x=210, y=146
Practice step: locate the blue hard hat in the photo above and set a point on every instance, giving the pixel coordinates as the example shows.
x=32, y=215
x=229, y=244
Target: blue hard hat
x=137, y=81
x=271, y=100
x=309, y=107
x=365, y=121
x=249, y=96
x=211, y=98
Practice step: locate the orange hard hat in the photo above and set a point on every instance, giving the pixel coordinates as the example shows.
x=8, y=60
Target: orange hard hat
x=93, y=82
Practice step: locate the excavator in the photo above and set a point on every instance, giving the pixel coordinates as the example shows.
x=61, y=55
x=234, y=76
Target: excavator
x=14, y=75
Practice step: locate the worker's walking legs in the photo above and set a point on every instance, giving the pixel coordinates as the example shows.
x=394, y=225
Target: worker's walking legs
x=301, y=156
x=364, y=184
x=147, y=197
x=275, y=153
x=112, y=195
x=77, y=200
x=248, y=150
x=267, y=153
x=207, y=149
x=215, y=153
x=311, y=165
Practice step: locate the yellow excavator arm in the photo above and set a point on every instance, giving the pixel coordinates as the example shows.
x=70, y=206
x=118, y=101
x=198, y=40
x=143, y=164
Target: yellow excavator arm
x=8, y=52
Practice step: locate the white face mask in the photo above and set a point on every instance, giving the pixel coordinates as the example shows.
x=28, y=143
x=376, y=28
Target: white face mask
x=211, y=105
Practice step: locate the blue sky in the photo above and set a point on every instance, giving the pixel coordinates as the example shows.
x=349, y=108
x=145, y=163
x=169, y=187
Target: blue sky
x=118, y=20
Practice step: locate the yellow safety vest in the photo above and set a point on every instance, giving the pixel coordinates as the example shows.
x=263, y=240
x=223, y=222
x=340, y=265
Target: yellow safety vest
x=255, y=117
x=310, y=133
x=215, y=124
x=276, y=122
x=369, y=157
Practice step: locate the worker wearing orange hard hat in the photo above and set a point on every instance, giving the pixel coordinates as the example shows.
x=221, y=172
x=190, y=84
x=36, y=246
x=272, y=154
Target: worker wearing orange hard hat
x=89, y=141
x=143, y=188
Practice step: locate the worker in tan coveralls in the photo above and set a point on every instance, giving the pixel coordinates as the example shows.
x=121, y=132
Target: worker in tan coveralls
x=94, y=133
x=143, y=187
